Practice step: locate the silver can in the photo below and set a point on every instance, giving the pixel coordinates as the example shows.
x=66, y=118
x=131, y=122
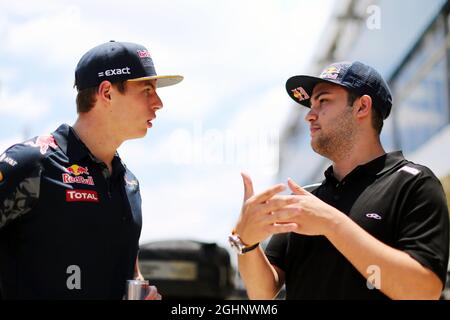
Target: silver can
x=137, y=289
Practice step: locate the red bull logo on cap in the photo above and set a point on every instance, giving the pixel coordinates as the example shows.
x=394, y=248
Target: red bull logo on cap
x=300, y=94
x=331, y=72
x=143, y=54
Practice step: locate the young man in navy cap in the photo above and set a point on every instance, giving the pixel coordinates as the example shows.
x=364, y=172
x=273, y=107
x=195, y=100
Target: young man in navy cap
x=70, y=210
x=377, y=227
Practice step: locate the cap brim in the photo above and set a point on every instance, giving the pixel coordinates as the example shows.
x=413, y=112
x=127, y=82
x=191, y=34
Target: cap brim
x=296, y=84
x=162, y=81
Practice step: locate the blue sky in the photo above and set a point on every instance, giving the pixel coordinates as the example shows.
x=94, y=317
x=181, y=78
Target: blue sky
x=224, y=118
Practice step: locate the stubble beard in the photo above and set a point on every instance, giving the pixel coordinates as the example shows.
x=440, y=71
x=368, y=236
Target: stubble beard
x=337, y=143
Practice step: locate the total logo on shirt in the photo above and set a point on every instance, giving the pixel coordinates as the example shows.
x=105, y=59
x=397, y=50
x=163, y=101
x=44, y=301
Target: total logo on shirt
x=77, y=174
x=81, y=196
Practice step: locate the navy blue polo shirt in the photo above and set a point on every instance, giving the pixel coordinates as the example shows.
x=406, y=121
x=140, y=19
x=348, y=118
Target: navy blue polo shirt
x=398, y=202
x=68, y=228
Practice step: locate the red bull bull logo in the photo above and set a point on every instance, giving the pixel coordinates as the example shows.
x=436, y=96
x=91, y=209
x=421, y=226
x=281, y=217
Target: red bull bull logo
x=300, y=94
x=77, y=170
x=143, y=54
x=76, y=174
x=331, y=72
x=43, y=142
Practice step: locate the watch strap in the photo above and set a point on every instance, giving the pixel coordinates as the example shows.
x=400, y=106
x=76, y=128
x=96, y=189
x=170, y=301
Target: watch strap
x=250, y=248
x=243, y=247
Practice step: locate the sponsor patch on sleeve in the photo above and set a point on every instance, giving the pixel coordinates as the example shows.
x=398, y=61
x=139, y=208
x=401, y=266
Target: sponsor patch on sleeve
x=43, y=143
x=8, y=160
x=410, y=170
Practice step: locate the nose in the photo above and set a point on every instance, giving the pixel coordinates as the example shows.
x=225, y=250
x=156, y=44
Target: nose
x=156, y=103
x=311, y=115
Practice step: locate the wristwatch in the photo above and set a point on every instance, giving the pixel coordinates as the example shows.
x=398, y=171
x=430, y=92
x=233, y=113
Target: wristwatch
x=239, y=246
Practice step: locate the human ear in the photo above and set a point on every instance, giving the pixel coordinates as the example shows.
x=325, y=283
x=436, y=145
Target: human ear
x=104, y=91
x=364, y=106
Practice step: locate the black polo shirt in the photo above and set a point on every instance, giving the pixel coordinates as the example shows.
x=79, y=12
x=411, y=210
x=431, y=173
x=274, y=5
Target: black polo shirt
x=68, y=228
x=400, y=203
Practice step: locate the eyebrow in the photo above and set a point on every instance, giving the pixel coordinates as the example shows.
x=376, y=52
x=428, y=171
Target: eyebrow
x=149, y=83
x=317, y=96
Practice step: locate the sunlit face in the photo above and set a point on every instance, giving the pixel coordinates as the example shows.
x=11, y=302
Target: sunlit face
x=332, y=126
x=136, y=108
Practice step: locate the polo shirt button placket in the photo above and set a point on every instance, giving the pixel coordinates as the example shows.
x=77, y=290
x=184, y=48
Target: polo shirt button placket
x=338, y=190
x=107, y=177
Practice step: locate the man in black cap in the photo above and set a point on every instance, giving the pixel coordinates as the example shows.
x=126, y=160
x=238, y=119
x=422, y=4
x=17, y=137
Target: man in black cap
x=70, y=210
x=377, y=227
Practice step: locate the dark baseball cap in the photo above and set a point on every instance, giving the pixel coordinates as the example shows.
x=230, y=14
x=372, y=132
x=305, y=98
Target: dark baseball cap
x=118, y=61
x=355, y=76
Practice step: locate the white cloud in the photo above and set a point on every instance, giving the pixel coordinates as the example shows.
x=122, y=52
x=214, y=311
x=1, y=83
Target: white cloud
x=7, y=74
x=143, y=153
x=52, y=38
x=269, y=109
x=23, y=104
x=6, y=143
x=28, y=7
x=191, y=99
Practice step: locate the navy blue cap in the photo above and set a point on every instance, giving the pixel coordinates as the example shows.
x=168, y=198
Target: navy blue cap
x=118, y=61
x=355, y=76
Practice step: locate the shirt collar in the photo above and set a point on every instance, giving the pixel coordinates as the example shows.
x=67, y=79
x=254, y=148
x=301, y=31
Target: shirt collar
x=72, y=146
x=376, y=167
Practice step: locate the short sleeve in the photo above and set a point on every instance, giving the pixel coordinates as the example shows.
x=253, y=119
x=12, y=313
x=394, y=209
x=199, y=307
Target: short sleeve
x=424, y=226
x=19, y=181
x=276, y=250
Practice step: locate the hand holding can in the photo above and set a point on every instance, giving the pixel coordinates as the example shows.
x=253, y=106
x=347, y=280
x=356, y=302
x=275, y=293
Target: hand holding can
x=141, y=290
x=153, y=294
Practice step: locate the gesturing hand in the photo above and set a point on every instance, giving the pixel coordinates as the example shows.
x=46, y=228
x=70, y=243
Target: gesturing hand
x=258, y=218
x=311, y=215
